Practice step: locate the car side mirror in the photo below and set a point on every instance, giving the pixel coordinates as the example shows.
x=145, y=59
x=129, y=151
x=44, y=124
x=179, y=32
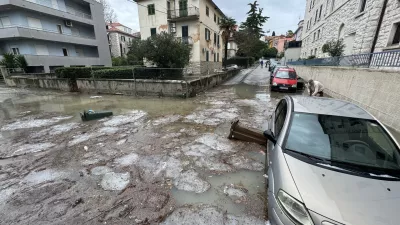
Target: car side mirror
x=270, y=136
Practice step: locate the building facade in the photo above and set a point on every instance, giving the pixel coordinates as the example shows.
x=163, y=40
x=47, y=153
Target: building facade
x=54, y=33
x=299, y=31
x=357, y=22
x=278, y=42
x=195, y=22
x=119, y=38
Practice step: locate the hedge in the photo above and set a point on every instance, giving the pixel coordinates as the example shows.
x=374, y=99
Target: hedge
x=118, y=73
x=77, y=72
x=240, y=61
x=140, y=73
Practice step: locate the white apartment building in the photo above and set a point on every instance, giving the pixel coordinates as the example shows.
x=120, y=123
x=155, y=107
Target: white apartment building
x=196, y=22
x=119, y=39
x=365, y=25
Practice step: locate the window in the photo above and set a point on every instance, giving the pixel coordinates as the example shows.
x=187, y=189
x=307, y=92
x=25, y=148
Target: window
x=315, y=51
x=65, y=51
x=360, y=142
x=314, y=36
x=316, y=16
x=218, y=40
x=15, y=51
x=320, y=12
x=153, y=31
x=362, y=5
x=5, y=21
x=396, y=36
x=207, y=34
x=151, y=10
x=123, y=38
x=34, y=23
x=207, y=56
x=215, y=17
x=333, y=5
x=219, y=20
x=59, y=28
x=207, y=11
x=311, y=52
x=318, y=35
x=280, y=115
x=217, y=57
x=215, y=38
x=310, y=22
x=291, y=75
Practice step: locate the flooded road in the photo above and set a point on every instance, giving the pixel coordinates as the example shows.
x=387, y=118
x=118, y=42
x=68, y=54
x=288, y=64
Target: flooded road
x=157, y=160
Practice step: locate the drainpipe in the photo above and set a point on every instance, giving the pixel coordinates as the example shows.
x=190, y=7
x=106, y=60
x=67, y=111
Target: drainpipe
x=378, y=28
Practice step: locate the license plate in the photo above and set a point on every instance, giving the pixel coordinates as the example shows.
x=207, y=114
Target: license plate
x=284, y=88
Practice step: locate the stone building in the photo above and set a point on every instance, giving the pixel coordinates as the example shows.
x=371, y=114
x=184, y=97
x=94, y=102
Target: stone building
x=357, y=22
x=195, y=22
x=119, y=39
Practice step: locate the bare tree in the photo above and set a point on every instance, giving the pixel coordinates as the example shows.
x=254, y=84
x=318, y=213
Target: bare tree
x=109, y=13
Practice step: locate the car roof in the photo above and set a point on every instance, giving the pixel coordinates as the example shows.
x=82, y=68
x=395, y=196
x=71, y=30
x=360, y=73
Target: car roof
x=329, y=106
x=286, y=69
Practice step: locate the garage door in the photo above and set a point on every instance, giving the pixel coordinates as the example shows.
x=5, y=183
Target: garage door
x=34, y=23
x=41, y=50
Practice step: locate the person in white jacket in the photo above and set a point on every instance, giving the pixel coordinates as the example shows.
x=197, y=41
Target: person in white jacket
x=315, y=88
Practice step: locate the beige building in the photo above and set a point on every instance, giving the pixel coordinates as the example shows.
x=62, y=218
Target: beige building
x=365, y=26
x=195, y=22
x=119, y=39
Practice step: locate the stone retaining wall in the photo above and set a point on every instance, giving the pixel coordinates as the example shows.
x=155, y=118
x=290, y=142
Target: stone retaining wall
x=374, y=90
x=172, y=88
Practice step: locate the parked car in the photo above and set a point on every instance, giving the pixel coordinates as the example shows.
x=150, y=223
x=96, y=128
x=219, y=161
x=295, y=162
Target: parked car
x=285, y=79
x=232, y=67
x=330, y=162
x=274, y=71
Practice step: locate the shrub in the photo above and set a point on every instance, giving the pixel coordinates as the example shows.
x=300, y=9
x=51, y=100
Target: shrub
x=118, y=73
x=77, y=72
x=157, y=73
x=311, y=57
x=334, y=47
x=119, y=61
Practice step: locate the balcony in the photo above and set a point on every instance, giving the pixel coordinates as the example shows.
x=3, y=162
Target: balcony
x=16, y=31
x=184, y=14
x=186, y=40
x=54, y=10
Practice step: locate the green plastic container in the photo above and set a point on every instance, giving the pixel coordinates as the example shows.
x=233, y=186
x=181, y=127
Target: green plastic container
x=91, y=115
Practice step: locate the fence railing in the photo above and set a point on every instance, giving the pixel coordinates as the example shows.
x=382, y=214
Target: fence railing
x=186, y=40
x=180, y=13
x=374, y=60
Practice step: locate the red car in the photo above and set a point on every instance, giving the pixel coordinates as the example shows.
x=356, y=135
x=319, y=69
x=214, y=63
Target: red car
x=285, y=79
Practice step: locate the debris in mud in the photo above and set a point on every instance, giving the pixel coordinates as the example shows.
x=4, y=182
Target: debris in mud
x=127, y=160
x=100, y=170
x=94, y=97
x=213, y=165
x=31, y=148
x=241, y=162
x=235, y=191
x=190, y=181
x=80, y=138
x=166, y=120
x=124, y=119
x=115, y=181
x=33, y=123
x=244, y=220
x=45, y=176
x=108, y=130
x=213, y=116
x=215, y=142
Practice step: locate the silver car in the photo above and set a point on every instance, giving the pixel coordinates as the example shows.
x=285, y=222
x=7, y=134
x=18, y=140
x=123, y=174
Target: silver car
x=330, y=163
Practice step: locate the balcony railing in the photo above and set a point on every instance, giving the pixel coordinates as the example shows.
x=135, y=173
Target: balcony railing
x=186, y=40
x=374, y=60
x=68, y=10
x=50, y=31
x=182, y=13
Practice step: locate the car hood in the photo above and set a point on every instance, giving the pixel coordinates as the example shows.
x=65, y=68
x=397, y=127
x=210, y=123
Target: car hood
x=345, y=198
x=285, y=81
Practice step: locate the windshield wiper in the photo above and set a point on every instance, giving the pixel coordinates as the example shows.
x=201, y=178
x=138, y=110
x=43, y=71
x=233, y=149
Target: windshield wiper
x=312, y=157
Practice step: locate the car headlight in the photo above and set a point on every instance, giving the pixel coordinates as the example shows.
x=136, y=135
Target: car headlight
x=274, y=84
x=294, y=209
x=294, y=85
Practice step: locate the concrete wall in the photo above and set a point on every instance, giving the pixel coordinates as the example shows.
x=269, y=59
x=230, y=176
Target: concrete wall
x=173, y=88
x=374, y=90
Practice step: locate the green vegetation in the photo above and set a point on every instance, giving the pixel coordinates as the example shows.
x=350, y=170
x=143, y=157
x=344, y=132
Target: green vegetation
x=14, y=61
x=241, y=61
x=334, y=47
x=255, y=20
x=164, y=50
x=269, y=52
x=77, y=72
x=228, y=25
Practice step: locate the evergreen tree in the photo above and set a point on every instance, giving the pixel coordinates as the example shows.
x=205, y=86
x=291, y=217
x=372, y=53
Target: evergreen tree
x=255, y=20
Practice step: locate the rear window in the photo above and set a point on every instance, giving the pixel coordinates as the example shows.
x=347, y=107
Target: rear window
x=286, y=75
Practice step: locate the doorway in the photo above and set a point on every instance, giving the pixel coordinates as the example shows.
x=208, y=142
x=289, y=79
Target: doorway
x=183, y=9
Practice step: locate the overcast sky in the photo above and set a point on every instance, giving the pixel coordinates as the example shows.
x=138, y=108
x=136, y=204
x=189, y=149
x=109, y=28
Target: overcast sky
x=284, y=14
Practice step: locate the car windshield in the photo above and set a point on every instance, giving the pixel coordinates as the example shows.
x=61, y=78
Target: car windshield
x=286, y=75
x=352, y=141
x=276, y=68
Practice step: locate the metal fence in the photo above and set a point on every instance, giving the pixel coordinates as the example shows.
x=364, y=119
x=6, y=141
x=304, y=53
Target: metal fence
x=368, y=60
